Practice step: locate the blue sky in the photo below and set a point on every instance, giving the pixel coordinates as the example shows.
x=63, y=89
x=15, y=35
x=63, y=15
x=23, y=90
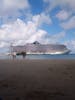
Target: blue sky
x=48, y=21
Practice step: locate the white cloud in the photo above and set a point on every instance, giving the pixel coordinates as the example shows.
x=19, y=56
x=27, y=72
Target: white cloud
x=71, y=45
x=70, y=24
x=42, y=19
x=62, y=15
x=15, y=4
x=65, y=4
x=3, y=44
x=56, y=38
x=10, y=10
x=8, y=5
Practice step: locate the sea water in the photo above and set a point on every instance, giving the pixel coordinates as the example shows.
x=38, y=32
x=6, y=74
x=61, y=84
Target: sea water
x=41, y=56
x=47, y=56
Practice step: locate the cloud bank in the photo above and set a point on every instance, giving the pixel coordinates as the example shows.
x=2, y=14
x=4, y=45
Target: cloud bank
x=20, y=33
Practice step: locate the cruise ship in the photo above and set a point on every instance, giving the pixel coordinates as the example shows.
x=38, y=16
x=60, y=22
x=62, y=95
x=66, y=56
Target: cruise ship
x=37, y=48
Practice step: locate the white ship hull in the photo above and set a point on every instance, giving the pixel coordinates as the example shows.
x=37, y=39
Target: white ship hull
x=51, y=53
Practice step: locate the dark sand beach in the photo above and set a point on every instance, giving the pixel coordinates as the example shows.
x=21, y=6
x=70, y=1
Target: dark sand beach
x=37, y=79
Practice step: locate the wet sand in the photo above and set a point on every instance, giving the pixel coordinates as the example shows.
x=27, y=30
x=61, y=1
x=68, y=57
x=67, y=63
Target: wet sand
x=37, y=79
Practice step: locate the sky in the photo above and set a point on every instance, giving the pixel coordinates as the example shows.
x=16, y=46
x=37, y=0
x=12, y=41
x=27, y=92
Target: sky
x=46, y=21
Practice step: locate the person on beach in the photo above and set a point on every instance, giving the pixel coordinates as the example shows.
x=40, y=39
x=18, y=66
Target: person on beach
x=14, y=55
x=23, y=54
